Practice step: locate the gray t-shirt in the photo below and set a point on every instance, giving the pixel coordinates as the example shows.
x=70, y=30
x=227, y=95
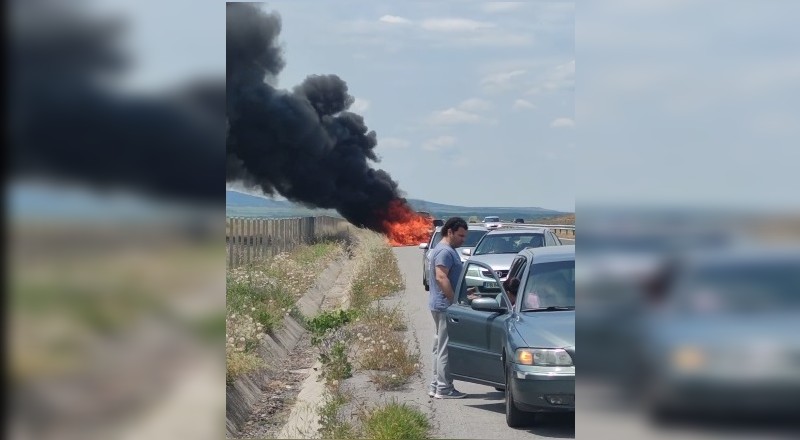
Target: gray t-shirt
x=442, y=255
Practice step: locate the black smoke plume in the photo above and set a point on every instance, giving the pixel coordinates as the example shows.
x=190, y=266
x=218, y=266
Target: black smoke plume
x=303, y=144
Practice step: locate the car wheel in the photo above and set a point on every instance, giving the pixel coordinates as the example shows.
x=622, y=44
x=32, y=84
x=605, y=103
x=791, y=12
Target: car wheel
x=514, y=417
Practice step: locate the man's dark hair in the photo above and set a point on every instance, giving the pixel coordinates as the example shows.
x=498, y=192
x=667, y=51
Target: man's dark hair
x=454, y=224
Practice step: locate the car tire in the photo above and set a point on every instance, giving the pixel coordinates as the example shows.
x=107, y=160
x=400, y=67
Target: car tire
x=427, y=287
x=515, y=418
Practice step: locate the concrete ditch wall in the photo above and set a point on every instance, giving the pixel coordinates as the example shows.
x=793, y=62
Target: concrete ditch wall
x=246, y=390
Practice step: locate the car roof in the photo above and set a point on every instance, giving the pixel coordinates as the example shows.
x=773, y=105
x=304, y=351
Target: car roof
x=549, y=253
x=469, y=228
x=516, y=231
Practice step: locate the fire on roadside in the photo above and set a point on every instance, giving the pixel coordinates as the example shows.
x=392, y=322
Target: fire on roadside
x=405, y=227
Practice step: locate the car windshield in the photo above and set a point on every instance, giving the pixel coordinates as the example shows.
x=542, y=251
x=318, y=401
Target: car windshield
x=473, y=237
x=491, y=219
x=740, y=288
x=508, y=243
x=550, y=286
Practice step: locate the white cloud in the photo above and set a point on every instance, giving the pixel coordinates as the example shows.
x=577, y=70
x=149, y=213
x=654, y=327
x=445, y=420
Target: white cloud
x=502, y=80
x=475, y=105
x=454, y=25
x=489, y=39
x=562, y=123
x=501, y=6
x=439, y=143
x=393, y=19
x=393, y=143
x=559, y=78
x=359, y=106
x=521, y=104
x=453, y=116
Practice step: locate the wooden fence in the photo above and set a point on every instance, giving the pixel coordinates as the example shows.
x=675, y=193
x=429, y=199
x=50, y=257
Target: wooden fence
x=253, y=239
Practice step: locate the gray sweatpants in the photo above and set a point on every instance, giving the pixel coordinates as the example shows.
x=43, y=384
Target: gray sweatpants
x=442, y=381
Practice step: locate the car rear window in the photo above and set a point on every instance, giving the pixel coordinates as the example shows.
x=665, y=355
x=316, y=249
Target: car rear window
x=508, y=244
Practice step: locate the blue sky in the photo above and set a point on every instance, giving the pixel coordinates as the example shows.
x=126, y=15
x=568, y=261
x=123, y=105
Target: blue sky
x=472, y=102
x=678, y=102
x=689, y=104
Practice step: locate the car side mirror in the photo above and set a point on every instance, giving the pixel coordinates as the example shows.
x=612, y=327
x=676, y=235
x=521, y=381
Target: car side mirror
x=423, y=245
x=466, y=252
x=486, y=305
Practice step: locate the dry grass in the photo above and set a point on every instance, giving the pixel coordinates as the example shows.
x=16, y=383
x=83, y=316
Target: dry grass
x=260, y=295
x=382, y=349
x=375, y=343
x=238, y=363
x=334, y=424
x=376, y=273
x=568, y=219
x=377, y=315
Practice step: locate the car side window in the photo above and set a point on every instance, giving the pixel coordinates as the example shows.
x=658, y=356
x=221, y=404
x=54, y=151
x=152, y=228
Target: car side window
x=479, y=280
x=516, y=267
x=516, y=271
x=435, y=239
x=548, y=240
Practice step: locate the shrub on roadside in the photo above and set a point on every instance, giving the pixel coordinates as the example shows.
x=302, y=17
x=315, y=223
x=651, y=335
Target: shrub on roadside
x=332, y=424
x=396, y=421
x=328, y=320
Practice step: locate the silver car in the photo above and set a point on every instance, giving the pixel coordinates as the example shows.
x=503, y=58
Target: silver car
x=474, y=234
x=498, y=248
x=492, y=222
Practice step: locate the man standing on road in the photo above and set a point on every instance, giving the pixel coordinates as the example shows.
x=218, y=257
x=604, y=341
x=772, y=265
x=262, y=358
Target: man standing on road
x=445, y=268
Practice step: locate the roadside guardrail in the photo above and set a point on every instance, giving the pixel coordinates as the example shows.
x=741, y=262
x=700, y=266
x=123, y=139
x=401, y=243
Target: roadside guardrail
x=568, y=230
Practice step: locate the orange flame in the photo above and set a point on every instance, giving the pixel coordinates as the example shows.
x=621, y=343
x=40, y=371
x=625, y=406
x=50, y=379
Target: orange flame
x=403, y=226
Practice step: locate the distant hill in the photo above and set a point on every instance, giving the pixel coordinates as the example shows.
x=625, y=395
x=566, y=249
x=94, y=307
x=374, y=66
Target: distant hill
x=239, y=204
x=245, y=205
x=440, y=210
x=235, y=198
x=568, y=219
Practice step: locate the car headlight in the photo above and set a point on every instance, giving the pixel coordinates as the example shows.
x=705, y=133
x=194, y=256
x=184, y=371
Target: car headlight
x=473, y=272
x=544, y=357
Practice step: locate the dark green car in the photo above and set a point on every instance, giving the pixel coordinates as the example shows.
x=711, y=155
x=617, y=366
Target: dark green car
x=526, y=348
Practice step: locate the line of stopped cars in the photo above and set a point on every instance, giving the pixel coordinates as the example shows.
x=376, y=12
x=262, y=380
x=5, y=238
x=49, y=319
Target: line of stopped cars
x=525, y=347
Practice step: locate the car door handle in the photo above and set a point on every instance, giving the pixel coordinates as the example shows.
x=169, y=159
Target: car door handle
x=453, y=319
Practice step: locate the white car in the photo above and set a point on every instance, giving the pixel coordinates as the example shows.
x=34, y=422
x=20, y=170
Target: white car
x=474, y=235
x=492, y=222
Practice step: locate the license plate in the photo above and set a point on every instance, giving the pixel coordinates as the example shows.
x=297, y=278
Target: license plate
x=490, y=285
